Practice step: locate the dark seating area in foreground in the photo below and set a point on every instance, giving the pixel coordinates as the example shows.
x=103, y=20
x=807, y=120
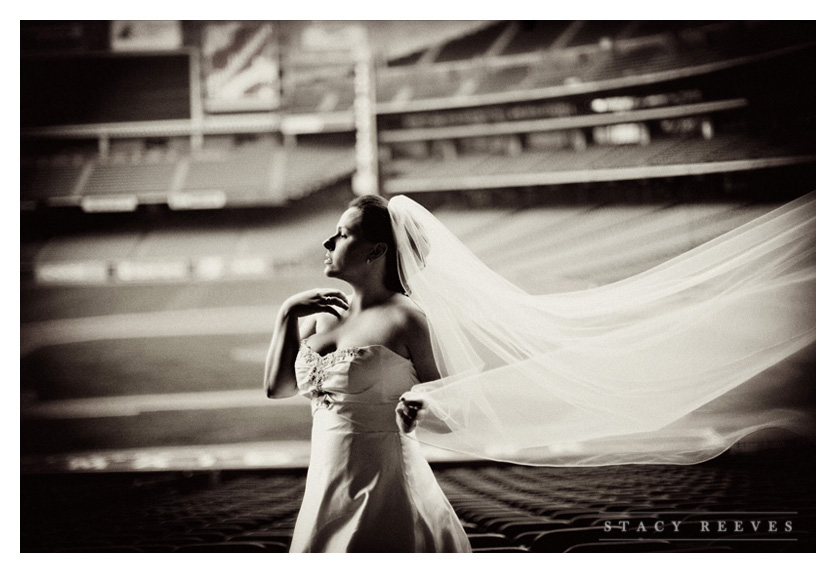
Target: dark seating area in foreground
x=745, y=502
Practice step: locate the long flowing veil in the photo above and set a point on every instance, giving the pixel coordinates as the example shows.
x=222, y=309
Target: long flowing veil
x=672, y=365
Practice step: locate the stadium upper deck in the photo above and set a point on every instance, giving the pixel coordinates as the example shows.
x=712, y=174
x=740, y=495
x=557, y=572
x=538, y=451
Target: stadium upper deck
x=509, y=87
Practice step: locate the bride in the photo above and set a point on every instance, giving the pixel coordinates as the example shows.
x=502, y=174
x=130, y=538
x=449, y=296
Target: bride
x=669, y=366
x=368, y=486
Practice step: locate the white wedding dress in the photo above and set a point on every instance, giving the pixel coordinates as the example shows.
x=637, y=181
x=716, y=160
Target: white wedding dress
x=369, y=488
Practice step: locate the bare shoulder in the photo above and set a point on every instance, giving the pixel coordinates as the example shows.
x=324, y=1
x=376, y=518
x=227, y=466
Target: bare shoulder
x=411, y=323
x=416, y=337
x=406, y=324
x=407, y=314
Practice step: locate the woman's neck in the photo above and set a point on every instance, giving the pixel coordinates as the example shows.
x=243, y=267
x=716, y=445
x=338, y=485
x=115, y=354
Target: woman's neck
x=366, y=296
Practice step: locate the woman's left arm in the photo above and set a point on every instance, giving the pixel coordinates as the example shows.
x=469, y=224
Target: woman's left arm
x=420, y=347
x=417, y=334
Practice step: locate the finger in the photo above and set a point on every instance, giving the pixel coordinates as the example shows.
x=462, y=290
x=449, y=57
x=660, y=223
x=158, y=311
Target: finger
x=341, y=295
x=407, y=419
x=405, y=412
x=413, y=405
x=331, y=303
x=336, y=294
x=411, y=396
x=405, y=422
x=337, y=301
x=333, y=300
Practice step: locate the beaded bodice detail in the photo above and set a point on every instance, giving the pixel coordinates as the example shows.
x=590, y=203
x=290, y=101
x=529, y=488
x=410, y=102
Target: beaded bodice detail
x=358, y=375
x=319, y=367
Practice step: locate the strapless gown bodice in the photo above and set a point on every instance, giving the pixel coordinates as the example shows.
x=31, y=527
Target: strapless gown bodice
x=368, y=487
x=360, y=385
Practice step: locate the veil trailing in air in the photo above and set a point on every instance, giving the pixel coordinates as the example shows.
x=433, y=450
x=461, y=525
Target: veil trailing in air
x=673, y=365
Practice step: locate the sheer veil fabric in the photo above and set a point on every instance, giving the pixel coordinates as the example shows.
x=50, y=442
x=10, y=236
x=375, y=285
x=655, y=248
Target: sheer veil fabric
x=673, y=365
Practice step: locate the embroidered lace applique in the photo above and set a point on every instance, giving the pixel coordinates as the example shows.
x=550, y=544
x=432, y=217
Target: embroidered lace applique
x=319, y=369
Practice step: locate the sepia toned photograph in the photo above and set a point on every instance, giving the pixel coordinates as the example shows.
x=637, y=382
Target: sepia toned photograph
x=424, y=286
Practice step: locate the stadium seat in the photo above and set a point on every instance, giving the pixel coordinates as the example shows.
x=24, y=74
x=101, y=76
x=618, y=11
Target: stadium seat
x=234, y=547
x=515, y=528
x=485, y=540
x=99, y=549
x=472, y=45
x=560, y=540
x=621, y=547
x=259, y=536
x=156, y=547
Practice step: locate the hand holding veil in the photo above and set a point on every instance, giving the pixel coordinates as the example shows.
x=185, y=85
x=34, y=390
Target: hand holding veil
x=665, y=367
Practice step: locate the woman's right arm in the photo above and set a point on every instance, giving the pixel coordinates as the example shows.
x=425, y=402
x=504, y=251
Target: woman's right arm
x=294, y=323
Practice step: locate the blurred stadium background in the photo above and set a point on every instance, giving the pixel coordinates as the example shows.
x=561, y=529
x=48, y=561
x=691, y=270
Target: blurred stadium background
x=178, y=178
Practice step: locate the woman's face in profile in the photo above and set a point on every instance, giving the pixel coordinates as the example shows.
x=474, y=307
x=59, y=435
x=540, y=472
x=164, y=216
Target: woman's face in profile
x=347, y=250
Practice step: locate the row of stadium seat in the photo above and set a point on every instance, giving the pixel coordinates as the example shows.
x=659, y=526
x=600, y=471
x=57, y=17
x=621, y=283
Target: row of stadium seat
x=241, y=250
x=693, y=155
x=468, y=65
x=721, y=506
x=528, y=37
x=275, y=174
x=655, y=53
x=262, y=174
